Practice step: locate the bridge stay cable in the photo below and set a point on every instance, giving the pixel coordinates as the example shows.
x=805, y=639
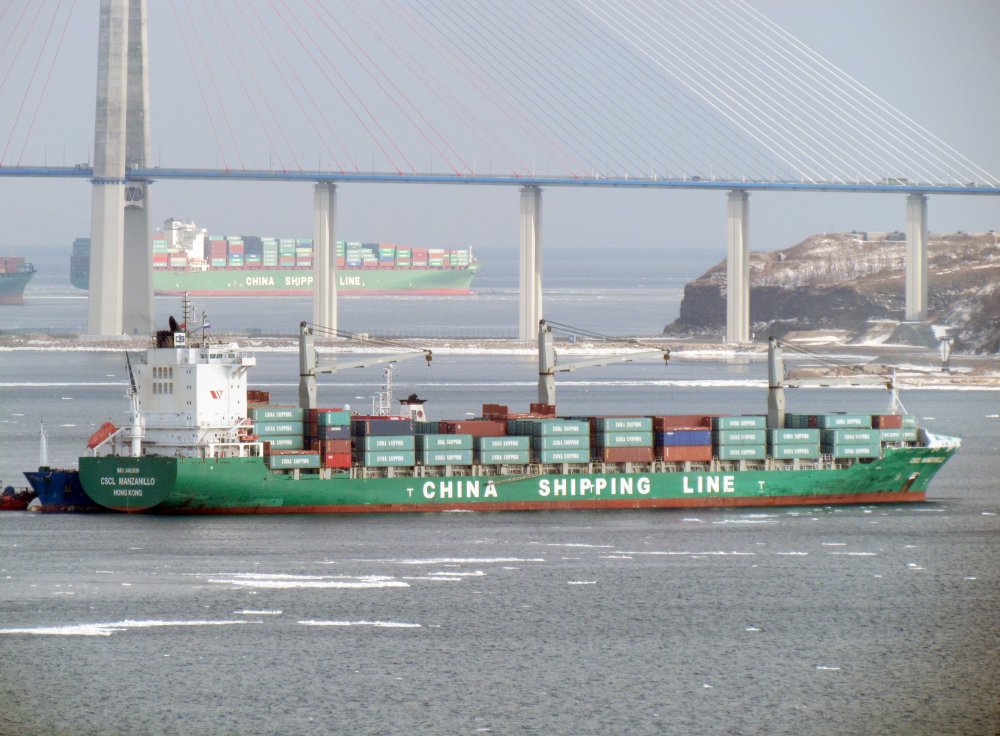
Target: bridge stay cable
x=396, y=94
x=256, y=85
x=872, y=97
x=280, y=70
x=785, y=82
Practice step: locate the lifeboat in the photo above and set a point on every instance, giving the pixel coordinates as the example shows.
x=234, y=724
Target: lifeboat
x=103, y=432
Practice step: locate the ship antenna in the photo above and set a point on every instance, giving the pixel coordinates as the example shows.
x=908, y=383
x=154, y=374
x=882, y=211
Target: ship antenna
x=136, y=413
x=43, y=446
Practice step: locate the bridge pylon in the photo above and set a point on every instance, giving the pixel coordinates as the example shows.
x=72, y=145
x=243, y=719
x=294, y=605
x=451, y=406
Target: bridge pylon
x=530, y=308
x=120, y=299
x=738, y=267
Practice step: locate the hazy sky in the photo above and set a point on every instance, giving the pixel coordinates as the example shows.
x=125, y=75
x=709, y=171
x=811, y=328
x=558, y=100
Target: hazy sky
x=934, y=60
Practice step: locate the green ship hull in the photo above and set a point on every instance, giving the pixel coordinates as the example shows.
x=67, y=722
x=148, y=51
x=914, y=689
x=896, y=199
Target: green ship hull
x=244, y=485
x=299, y=282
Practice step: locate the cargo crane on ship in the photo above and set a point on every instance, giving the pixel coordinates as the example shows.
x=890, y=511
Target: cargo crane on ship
x=549, y=365
x=312, y=363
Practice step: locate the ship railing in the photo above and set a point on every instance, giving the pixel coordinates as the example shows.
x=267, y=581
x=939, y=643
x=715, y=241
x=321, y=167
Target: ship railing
x=242, y=449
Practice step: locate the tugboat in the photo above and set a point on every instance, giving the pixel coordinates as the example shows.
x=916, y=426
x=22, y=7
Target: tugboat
x=56, y=489
x=15, y=499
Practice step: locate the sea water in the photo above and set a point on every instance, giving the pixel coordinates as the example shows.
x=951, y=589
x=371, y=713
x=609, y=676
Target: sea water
x=807, y=620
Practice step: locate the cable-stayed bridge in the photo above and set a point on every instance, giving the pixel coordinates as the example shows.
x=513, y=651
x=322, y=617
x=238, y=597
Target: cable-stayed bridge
x=589, y=93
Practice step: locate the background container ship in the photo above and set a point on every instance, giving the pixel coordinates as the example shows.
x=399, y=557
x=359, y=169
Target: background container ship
x=188, y=259
x=15, y=273
x=198, y=442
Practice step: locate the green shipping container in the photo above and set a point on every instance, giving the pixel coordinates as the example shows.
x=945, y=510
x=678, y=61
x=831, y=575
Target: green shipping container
x=444, y=442
x=555, y=427
x=860, y=436
x=793, y=436
x=563, y=456
x=385, y=442
x=388, y=458
x=891, y=435
x=788, y=452
x=286, y=442
x=570, y=442
x=290, y=462
x=741, y=452
x=748, y=422
x=500, y=457
x=510, y=442
x=624, y=439
x=837, y=421
x=274, y=413
x=853, y=450
x=447, y=457
x=624, y=424
x=339, y=418
x=266, y=429
x=739, y=437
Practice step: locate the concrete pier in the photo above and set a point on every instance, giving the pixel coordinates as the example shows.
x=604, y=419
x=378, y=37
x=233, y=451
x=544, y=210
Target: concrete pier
x=916, y=258
x=530, y=310
x=737, y=267
x=324, y=256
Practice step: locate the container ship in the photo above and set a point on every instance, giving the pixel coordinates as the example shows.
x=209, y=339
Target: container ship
x=198, y=441
x=15, y=273
x=186, y=259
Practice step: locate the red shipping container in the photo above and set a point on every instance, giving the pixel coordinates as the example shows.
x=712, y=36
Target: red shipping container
x=337, y=460
x=475, y=427
x=623, y=454
x=681, y=421
x=545, y=410
x=494, y=411
x=692, y=453
x=334, y=447
x=887, y=421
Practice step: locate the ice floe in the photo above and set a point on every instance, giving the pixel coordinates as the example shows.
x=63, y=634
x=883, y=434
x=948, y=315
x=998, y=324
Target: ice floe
x=107, y=629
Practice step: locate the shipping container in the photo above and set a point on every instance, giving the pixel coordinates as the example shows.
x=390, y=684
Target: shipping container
x=742, y=422
x=444, y=442
x=384, y=458
x=853, y=450
x=804, y=436
x=741, y=452
x=739, y=437
x=475, y=427
x=381, y=426
x=384, y=442
x=789, y=452
x=560, y=442
x=510, y=442
x=265, y=429
x=272, y=413
x=683, y=437
x=859, y=436
x=623, y=454
x=681, y=421
x=837, y=421
x=284, y=442
x=623, y=424
x=684, y=453
x=447, y=457
x=504, y=457
x=291, y=459
x=563, y=456
x=624, y=439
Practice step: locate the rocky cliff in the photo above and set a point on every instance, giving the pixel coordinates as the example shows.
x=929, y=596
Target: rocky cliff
x=854, y=283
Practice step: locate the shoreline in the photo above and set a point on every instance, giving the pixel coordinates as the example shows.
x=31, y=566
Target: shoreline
x=915, y=366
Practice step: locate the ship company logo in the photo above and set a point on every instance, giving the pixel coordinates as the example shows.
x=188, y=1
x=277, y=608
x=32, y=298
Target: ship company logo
x=216, y=394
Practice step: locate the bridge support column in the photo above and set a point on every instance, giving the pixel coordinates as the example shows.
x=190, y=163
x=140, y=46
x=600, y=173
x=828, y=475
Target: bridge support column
x=737, y=268
x=530, y=311
x=324, y=256
x=121, y=262
x=916, y=257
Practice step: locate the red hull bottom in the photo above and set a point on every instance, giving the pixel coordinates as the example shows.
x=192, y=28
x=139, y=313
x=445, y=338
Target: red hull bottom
x=577, y=505
x=18, y=299
x=308, y=292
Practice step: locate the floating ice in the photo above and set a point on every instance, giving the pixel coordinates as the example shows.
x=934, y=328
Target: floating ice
x=247, y=612
x=579, y=544
x=793, y=554
x=824, y=667
x=253, y=580
x=460, y=560
x=751, y=628
x=107, y=629
x=581, y=582
x=856, y=554
x=377, y=624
